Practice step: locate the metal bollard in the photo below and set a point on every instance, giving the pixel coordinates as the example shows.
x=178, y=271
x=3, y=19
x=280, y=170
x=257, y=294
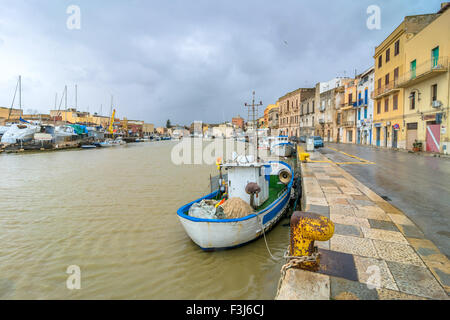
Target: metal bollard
x=307, y=227
x=304, y=156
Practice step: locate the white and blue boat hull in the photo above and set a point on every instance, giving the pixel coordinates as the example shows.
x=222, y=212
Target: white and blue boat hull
x=216, y=234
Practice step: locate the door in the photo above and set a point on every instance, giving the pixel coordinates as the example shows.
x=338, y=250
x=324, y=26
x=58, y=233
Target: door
x=378, y=136
x=434, y=57
x=433, y=137
x=358, y=139
x=411, y=134
x=328, y=136
x=385, y=136
x=394, y=138
x=413, y=69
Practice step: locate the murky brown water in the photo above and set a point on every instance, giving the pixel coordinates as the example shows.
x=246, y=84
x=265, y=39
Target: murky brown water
x=112, y=212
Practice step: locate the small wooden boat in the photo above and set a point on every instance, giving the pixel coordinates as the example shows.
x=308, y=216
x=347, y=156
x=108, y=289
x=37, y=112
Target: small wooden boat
x=275, y=180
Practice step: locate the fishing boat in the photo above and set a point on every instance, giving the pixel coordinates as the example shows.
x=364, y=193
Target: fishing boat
x=281, y=147
x=106, y=144
x=264, y=186
x=88, y=146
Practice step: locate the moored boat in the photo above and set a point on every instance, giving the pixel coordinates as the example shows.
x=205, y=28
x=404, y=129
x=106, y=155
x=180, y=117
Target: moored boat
x=214, y=229
x=281, y=147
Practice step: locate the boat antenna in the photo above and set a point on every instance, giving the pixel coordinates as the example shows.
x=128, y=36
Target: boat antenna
x=253, y=111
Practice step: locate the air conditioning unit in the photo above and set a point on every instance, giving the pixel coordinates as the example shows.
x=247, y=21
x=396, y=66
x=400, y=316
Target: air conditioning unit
x=436, y=104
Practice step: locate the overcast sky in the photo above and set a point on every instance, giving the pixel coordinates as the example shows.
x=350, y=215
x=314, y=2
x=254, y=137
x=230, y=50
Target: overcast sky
x=185, y=60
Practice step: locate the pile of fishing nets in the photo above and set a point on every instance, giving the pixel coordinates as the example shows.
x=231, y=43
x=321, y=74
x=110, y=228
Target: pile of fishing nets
x=236, y=208
x=230, y=209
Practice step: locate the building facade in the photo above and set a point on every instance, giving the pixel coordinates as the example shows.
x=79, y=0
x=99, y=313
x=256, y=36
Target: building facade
x=289, y=111
x=389, y=58
x=329, y=96
x=426, y=84
x=364, y=108
x=307, y=116
x=273, y=120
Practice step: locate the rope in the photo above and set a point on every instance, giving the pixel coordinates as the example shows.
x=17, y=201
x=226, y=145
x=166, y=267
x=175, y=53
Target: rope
x=265, y=240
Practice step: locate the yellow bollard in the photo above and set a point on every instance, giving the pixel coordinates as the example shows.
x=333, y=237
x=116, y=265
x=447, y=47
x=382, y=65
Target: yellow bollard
x=304, y=156
x=307, y=227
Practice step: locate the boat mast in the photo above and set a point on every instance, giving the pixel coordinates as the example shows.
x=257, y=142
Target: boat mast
x=20, y=92
x=76, y=97
x=65, y=97
x=14, y=98
x=254, y=111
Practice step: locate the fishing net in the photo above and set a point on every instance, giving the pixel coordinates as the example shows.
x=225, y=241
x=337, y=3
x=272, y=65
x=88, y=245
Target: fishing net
x=236, y=208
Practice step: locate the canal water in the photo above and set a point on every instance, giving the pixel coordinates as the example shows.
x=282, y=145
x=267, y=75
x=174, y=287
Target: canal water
x=112, y=213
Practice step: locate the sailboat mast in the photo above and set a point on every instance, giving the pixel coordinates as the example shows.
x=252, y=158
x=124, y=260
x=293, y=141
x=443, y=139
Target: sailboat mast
x=20, y=92
x=65, y=102
x=76, y=97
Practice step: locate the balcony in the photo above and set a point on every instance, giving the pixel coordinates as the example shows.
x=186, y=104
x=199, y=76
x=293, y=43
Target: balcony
x=424, y=71
x=386, y=89
x=348, y=123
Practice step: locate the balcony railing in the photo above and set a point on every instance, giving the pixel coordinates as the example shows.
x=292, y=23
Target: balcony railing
x=424, y=71
x=386, y=88
x=348, y=123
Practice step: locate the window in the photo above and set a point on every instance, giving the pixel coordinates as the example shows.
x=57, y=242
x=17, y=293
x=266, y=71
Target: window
x=397, y=48
x=412, y=97
x=313, y=106
x=395, y=102
x=380, y=61
x=433, y=92
x=388, y=55
x=413, y=69
x=365, y=113
x=350, y=98
x=359, y=114
x=379, y=106
x=379, y=83
x=386, y=105
x=287, y=106
x=395, y=74
x=386, y=79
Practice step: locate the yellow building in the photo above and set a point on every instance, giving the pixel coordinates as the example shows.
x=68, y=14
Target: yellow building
x=266, y=113
x=426, y=84
x=11, y=114
x=73, y=116
x=389, y=129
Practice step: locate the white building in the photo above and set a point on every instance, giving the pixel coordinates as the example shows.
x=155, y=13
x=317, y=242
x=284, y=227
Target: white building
x=364, y=111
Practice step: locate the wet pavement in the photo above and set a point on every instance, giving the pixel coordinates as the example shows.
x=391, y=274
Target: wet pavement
x=416, y=184
x=376, y=251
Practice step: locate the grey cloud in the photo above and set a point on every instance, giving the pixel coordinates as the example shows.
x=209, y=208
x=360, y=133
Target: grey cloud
x=197, y=60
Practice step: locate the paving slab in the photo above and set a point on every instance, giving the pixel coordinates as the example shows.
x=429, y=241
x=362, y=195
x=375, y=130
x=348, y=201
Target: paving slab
x=376, y=252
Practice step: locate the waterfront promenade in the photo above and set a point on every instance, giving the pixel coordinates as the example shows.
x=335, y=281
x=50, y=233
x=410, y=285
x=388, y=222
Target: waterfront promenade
x=376, y=252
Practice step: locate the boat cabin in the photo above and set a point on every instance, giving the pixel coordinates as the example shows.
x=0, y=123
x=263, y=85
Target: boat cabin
x=241, y=174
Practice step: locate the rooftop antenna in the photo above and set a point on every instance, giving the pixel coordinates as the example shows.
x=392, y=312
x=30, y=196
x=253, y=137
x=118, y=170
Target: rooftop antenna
x=253, y=112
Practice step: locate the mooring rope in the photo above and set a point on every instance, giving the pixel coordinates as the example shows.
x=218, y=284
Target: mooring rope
x=265, y=240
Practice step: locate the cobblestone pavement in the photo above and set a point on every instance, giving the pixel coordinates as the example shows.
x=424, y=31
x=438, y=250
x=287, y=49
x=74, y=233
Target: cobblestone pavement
x=377, y=252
